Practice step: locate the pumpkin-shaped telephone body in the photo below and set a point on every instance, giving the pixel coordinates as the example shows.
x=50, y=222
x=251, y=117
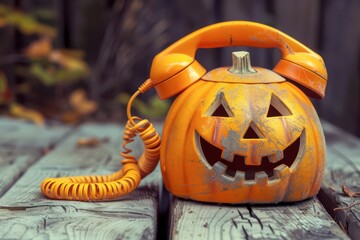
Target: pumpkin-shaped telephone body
x=241, y=134
x=233, y=135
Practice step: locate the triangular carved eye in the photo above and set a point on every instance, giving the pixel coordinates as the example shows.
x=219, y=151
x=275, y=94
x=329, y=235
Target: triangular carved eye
x=277, y=108
x=220, y=112
x=220, y=107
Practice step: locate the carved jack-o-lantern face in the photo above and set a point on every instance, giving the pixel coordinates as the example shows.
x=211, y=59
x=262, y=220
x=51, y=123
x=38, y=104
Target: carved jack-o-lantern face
x=262, y=161
x=239, y=143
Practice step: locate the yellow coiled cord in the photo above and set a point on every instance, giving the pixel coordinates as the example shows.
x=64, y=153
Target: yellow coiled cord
x=126, y=180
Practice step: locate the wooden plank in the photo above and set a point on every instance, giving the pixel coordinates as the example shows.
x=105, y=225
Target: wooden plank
x=342, y=170
x=133, y=216
x=22, y=144
x=303, y=220
x=19, y=135
x=13, y=165
x=65, y=222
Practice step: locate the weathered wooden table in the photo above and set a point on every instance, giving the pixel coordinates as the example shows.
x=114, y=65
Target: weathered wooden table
x=29, y=153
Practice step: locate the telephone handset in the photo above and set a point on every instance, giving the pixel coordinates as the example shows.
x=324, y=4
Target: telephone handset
x=172, y=71
x=175, y=68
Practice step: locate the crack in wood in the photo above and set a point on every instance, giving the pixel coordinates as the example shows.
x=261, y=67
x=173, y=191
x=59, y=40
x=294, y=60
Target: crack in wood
x=245, y=232
x=44, y=224
x=271, y=229
x=253, y=215
x=244, y=218
x=233, y=221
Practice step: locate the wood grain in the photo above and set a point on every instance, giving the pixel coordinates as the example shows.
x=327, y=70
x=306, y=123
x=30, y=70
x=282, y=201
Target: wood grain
x=303, y=220
x=22, y=144
x=20, y=135
x=342, y=169
x=13, y=165
x=133, y=216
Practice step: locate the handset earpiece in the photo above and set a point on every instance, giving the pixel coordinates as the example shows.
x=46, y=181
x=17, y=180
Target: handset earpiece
x=175, y=68
x=172, y=73
x=306, y=69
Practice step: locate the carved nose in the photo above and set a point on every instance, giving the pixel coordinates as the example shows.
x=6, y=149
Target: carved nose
x=253, y=132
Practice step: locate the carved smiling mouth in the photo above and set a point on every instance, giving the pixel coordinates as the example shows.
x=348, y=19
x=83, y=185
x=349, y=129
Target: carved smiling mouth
x=212, y=155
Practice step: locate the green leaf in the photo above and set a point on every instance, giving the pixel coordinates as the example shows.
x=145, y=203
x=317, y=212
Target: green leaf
x=38, y=71
x=154, y=109
x=50, y=75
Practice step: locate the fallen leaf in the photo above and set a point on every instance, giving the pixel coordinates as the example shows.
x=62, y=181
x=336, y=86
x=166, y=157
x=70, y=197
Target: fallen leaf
x=39, y=49
x=20, y=111
x=348, y=192
x=70, y=117
x=81, y=104
x=90, y=141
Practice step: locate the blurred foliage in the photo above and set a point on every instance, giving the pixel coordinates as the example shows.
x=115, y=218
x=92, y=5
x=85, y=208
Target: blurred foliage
x=44, y=73
x=53, y=66
x=26, y=23
x=155, y=108
x=41, y=62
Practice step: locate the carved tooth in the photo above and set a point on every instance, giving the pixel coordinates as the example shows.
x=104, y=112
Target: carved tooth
x=279, y=155
x=261, y=178
x=282, y=171
x=276, y=157
x=219, y=168
x=239, y=176
x=227, y=155
x=254, y=161
x=272, y=158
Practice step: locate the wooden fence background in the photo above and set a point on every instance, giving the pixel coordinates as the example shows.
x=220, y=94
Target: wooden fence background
x=121, y=38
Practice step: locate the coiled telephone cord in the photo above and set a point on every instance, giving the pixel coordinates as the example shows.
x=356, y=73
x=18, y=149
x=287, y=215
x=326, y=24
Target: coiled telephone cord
x=124, y=181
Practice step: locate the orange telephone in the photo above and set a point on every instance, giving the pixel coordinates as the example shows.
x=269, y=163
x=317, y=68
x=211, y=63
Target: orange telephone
x=250, y=118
